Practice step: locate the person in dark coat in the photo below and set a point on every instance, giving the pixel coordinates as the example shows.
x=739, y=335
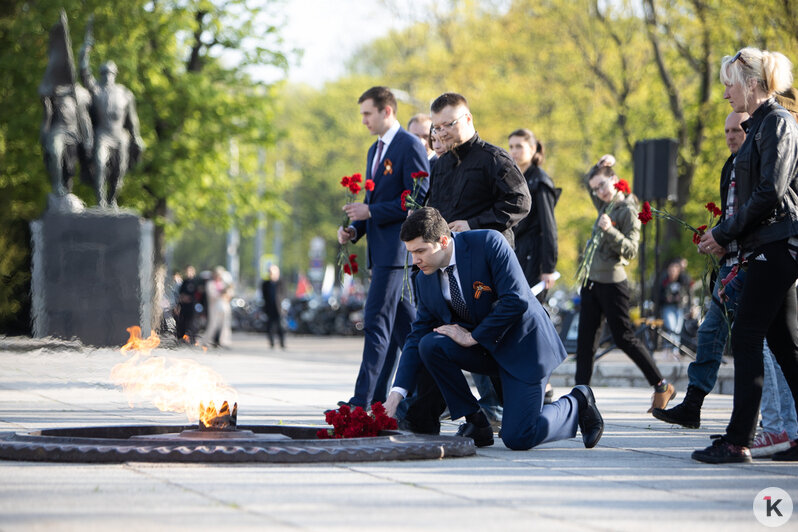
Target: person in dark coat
x=273, y=293
x=535, y=235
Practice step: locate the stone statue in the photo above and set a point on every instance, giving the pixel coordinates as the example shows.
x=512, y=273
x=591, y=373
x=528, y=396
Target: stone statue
x=117, y=144
x=66, y=132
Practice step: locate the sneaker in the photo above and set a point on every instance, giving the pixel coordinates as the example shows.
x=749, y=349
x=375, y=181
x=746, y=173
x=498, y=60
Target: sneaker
x=789, y=455
x=767, y=443
x=722, y=452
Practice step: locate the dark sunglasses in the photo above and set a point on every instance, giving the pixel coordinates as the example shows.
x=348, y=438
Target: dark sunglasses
x=738, y=55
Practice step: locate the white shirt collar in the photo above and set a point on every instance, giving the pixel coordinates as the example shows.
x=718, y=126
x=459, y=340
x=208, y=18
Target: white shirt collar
x=388, y=136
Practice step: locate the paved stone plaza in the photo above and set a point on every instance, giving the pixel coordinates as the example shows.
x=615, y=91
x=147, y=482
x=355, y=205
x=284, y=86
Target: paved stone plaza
x=639, y=477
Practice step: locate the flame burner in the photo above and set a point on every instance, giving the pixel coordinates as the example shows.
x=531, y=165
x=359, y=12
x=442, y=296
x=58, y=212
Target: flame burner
x=224, y=419
x=248, y=443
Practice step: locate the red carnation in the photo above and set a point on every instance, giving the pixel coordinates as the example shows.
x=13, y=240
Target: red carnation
x=354, y=268
x=354, y=188
x=403, y=197
x=347, y=269
x=697, y=235
x=353, y=257
x=623, y=186
x=357, y=178
x=711, y=207
x=419, y=175
x=345, y=181
x=645, y=215
x=369, y=184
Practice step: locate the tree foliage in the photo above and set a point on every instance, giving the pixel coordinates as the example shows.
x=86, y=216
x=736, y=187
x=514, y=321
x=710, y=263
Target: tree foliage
x=192, y=101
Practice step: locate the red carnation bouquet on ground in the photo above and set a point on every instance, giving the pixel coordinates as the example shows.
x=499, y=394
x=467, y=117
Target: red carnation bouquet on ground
x=409, y=200
x=583, y=270
x=357, y=423
x=711, y=263
x=347, y=262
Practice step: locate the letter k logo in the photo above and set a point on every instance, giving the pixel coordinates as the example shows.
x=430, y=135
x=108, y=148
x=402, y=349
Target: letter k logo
x=772, y=506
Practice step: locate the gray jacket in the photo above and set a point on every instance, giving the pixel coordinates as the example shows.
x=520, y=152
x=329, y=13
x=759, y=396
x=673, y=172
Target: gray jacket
x=766, y=174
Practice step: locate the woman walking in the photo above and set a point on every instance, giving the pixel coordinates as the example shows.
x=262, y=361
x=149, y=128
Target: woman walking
x=606, y=292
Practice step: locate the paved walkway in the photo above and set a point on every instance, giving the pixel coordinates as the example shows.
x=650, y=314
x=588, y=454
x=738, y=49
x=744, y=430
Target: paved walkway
x=639, y=477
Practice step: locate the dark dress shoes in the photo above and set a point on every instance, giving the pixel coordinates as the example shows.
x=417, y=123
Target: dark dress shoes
x=482, y=436
x=591, y=424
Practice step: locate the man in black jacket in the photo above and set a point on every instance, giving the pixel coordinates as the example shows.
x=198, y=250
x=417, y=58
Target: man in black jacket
x=474, y=185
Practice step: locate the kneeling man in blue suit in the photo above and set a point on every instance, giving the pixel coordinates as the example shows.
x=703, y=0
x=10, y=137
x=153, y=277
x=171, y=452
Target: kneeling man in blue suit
x=476, y=313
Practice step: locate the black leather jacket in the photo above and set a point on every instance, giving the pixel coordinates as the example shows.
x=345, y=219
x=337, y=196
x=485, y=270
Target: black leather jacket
x=766, y=175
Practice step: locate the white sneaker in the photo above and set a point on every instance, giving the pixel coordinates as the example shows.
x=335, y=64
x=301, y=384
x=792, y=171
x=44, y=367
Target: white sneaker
x=767, y=443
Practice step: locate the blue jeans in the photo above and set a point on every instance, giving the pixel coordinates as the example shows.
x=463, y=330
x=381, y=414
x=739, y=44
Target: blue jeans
x=713, y=332
x=673, y=316
x=778, y=406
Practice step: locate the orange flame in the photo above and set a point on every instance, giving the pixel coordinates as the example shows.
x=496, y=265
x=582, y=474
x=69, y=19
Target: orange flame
x=172, y=385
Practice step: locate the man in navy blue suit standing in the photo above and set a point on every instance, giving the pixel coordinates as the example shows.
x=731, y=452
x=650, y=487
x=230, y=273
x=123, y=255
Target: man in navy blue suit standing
x=476, y=313
x=390, y=163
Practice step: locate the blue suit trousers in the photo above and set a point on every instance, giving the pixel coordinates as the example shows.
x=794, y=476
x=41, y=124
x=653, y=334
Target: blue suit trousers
x=527, y=422
x=386, y=315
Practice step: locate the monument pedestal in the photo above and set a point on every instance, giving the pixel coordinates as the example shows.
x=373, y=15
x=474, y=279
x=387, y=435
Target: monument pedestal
x=92, y=275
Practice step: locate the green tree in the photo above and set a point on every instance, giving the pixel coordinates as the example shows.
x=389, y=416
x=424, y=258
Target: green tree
x=193, y=100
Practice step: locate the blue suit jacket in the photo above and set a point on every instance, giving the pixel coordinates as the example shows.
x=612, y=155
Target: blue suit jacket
x=508, y=321
x=407, y=156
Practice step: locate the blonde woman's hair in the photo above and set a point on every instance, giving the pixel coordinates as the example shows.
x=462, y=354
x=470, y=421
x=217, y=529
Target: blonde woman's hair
x=770, y=71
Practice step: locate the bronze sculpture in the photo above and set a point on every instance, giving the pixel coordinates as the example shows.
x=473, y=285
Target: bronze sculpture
x=66, y=132
x=117, y=144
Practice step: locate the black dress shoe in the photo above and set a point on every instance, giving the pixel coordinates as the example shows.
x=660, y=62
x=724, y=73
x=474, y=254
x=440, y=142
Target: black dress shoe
x=482, y=436
x=591, y=423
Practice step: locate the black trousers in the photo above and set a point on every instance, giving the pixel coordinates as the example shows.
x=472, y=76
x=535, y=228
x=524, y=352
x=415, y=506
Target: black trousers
x=272, y=323
x=766, y=308
x=610, y=300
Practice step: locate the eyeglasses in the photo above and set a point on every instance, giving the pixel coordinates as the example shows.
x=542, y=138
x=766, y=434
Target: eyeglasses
x=738, y=56
x=602, y=186
x=450, y=125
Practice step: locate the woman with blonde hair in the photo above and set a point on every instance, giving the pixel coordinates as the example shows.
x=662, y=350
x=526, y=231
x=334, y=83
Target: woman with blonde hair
x=764, y=197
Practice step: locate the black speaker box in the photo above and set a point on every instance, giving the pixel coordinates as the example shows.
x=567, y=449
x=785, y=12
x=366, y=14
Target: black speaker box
x=655, y=170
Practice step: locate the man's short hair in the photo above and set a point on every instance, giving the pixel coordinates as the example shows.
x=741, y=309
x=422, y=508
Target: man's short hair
x=421, y=118
x=381, y=96
x=448, y=98
x=426, y=223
